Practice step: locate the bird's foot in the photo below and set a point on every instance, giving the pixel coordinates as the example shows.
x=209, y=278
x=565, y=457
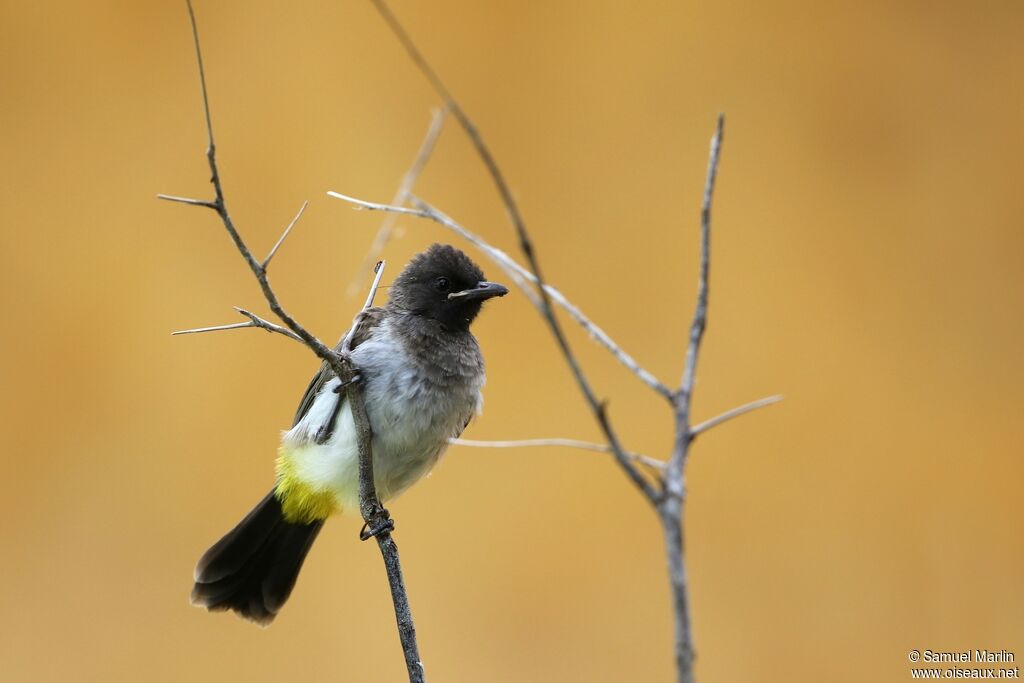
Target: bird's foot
x=380, y=522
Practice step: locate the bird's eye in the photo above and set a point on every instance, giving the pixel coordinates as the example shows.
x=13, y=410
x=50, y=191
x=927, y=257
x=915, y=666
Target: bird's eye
x=442, y=284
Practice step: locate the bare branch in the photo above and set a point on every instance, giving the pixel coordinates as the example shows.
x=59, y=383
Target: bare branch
x=217, y=328
x=671, y=508
x=374, y=206
x=520, y=276
x=378, y=273
x=682, y=398
x=202, y=74
x=464, y=121
x=188, y=200
x=345, y=345
x=517, y=273
x=670, y=504
x=220, y=206
x=527, y=248
x=700, y=313
x=267, y=325
x=669, y=501
x=556, y=442
x=254, y=321
x=387, y=226
x=730, y=414
x=376, y=517
x=280, y=241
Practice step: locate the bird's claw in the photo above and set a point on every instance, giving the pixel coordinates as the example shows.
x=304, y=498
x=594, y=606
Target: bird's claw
x=382, y=523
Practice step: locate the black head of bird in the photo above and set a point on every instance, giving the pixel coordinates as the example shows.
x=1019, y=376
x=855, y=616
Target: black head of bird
x=443, y=284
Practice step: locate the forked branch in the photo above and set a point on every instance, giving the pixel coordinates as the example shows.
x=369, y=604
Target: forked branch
x=671, y=508
x=597, y=406
x=668, y=498
x=374, y=514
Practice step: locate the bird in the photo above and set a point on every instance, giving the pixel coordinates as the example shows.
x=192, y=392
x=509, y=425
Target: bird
x=422, y=373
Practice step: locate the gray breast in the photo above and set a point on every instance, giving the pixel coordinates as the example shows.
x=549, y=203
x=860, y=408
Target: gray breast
x=421, y=387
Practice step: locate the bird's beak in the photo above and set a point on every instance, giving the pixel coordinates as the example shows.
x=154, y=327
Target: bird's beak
x=482, y=291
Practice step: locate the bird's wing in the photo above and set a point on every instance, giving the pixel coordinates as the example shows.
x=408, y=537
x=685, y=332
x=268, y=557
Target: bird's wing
x=477, y=410
x=367, y=321
x=322, y=376
x=469, y=418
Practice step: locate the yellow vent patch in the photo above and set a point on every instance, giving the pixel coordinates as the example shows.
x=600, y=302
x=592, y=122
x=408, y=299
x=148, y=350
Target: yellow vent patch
x=301, y=502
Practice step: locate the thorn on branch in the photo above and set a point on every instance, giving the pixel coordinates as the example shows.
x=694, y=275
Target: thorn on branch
x=267, y=325
x=730, y=414
x=378, y=273
x=280, y=241
x=188, y=200
x=217, y=328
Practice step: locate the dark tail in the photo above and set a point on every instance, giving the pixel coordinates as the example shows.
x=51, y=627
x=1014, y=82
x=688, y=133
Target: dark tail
x=253, y=569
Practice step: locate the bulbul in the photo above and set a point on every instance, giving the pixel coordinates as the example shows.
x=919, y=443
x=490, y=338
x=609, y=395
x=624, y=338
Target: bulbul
x=422, y=373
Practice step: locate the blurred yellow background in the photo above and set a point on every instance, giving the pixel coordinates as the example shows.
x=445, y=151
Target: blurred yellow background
x=867, y=265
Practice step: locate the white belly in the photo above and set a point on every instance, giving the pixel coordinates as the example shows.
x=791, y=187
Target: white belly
x=412, y=420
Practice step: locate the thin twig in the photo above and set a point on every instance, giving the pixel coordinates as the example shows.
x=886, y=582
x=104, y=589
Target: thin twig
x=682, y=398
x=259, y=322
x=345, y=345
x=700, y=313
x=202, y=76
x=516, y=272
x=378, y=273
x=564, y=443
x=730, y=414
x=280, y=241
x=520, y=276
x=374, y=206
x=375, y=516
x=387, y=226
x=220, y=206
x=188, y=200
x=254, y=322
x=216, y=328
